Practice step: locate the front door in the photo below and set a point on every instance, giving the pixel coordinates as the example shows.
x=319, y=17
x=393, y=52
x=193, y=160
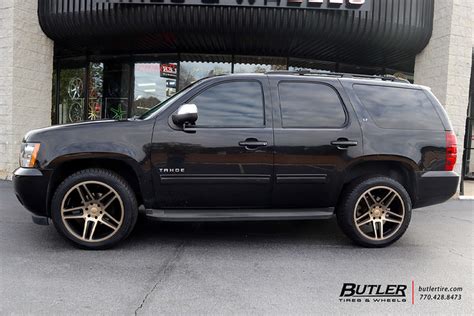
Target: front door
x=226, y=160
x=316, y=136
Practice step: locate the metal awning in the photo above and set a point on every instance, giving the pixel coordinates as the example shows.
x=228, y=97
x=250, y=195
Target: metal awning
x=388, y=33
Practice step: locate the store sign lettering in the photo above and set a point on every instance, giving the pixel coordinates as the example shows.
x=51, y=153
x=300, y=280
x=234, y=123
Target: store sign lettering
x=358, y=5
x=168, y=70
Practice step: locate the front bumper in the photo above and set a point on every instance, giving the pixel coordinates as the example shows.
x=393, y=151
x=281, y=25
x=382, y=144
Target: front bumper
x=435, y=187
x=31, y=189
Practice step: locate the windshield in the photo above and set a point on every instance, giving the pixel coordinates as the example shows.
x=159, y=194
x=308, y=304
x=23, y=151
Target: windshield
x=162, y=105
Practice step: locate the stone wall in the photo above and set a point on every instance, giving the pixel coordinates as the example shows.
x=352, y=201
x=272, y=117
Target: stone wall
x=445, y=63
x=26, y=67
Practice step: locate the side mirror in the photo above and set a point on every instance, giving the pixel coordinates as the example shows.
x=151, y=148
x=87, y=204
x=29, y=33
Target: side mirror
x=186, y=113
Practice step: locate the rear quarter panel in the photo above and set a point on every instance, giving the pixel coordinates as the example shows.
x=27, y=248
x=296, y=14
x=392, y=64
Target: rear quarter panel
x=425, y=150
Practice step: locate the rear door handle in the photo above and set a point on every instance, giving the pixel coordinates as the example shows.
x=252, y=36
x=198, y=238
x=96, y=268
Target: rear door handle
x=344, y=143
x=252, y=143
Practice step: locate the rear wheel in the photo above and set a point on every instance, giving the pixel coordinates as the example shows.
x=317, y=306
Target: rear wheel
x=374, y=212
x=94, y=208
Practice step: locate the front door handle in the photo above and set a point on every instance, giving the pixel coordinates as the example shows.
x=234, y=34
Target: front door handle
x=252, y=143
x=343, y=143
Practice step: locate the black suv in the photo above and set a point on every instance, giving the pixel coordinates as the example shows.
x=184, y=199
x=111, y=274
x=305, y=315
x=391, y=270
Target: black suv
x=268, y=146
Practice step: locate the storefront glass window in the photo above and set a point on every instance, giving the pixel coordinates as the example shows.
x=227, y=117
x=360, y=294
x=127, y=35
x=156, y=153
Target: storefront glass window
x=96, y=91
x=102, y=87
x=154, y=83
x=302, y=69
x=299, y=64
x=254, y=68
x=469, y=156
x=102, y=93
x=54, y=110
x=257, y=64
x=192, y=71
x=116, y=90
x=71, y=95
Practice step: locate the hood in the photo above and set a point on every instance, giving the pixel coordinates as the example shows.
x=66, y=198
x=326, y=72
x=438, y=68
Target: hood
x=37, y=134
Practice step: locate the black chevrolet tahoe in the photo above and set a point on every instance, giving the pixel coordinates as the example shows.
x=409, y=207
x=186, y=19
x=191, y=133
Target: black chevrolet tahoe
x=274, y=146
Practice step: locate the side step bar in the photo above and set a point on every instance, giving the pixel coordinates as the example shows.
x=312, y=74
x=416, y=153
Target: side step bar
x=217, y=215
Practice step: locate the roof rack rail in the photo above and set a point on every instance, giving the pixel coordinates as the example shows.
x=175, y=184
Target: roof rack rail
x=337, y=74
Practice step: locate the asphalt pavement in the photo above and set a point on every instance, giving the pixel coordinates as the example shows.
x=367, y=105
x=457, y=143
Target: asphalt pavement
x=263, y=268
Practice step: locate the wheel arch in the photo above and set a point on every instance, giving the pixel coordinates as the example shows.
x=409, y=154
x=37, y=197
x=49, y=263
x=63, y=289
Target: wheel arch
x=401, y=169
x=126, y=167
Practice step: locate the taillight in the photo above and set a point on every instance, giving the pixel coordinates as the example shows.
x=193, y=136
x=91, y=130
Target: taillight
x=451, y=151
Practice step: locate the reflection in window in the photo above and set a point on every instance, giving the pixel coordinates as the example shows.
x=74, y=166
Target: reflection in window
x=398, y=108
x=304, y=69
x=154, y=83
x=258, y=64
x=192, y=71
x=231, y=104
x=257, y=68
x=310, y=105
x=295, y=64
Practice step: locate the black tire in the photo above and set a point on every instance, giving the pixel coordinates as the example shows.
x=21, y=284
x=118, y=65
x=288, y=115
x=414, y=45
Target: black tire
x=128, y=211
x=346, y=217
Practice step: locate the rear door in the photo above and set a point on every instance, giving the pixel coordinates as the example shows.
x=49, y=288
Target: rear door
x=316, y=137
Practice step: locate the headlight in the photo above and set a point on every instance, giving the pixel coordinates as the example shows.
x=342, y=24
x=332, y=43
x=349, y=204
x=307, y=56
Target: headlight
x=28, y=154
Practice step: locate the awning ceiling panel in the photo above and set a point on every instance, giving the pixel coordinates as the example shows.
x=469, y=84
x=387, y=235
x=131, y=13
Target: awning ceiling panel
x=391, y=32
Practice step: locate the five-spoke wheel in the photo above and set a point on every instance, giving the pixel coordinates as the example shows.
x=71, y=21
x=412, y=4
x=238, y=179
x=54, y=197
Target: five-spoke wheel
x=374, y=212
x=94, y=208
x=92, y=211
x=379, y=213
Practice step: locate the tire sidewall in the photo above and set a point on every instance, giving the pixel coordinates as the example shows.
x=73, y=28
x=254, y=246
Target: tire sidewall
x=114, y=181
x=349, y=208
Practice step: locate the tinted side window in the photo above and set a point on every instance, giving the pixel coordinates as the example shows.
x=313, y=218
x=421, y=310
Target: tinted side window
x=231, y=104
x=310, y=105
x=398, y=108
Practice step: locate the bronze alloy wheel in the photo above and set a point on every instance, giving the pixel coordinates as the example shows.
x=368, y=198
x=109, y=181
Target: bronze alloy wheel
x=379, y=213
x=92, y=211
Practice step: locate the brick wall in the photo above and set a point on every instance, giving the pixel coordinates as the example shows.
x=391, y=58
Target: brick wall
x=445, y=63
x=26, y=65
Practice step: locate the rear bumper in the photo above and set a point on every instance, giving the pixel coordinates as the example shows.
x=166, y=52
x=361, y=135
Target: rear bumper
x=31, y=189
x=436, y=187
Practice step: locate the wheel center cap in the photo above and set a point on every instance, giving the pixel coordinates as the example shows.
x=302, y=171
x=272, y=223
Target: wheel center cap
x=94, y=210
x=377, y=212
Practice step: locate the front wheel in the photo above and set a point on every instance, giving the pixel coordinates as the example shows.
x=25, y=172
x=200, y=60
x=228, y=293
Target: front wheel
x=374, y=212
x=94, y=208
